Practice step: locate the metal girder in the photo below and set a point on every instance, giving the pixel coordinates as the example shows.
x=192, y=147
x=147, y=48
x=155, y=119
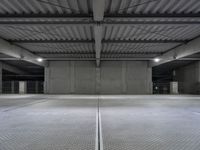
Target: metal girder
x=98, y=44
x=53, y=41
x=109, y=22
x=98, y=14
x=12, y=68
x=106, y=15
x=49, y=16
x=19, y=53
x=98, y=10
x=49, y=23
x=63, y=53
x=179, y=52
x=114, y=59
x=46, y=16
x=149, y=16
x=144, y=41
x=108, y=19
x=147, y=22
x=104, y=59
x=103, y=41
x=92, y=59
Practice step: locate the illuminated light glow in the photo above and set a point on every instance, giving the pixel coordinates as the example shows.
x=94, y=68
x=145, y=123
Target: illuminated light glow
x=157, y=59
x=39, y=59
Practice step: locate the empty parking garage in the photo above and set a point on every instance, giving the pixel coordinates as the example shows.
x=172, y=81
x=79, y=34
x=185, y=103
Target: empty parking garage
x=99, y=75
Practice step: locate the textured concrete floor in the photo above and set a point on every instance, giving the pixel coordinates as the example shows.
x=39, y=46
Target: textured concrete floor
x=151, y=123
x=47, y=123
x=59, y=122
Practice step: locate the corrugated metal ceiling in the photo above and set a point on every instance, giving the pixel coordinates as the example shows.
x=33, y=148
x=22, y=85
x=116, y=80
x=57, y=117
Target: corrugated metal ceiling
x=155, y=32
x=152, y=7
x=46, y=32
x=112, y=6
x=59, y=48
x=45, y=6
x=14, y=10
x=137, y=48
x=111, y=32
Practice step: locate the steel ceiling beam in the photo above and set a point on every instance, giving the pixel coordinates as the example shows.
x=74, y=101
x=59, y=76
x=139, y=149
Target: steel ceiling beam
x=90, y=16
x=179, y=52
x=19, y=53
x=109, y=19
x=89, y=53
x=103, y=41
x=45, y=22
x=145, y=41
x=12, y=68
x=46, y=16
x=98, y=15
x=147, y=22
x=93, y=59
x=102, y=59
x=163, y=16
x=106, y=22
x=53, y=41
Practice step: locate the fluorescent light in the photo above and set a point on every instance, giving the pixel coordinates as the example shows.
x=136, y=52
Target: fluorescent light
x=157, y=59
x=39, y=59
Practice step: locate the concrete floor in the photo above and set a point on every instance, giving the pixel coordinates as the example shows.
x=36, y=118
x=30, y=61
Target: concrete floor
x=59, y=122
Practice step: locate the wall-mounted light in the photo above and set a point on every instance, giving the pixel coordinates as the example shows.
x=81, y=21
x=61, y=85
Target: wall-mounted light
x=39, y=59
x=156, y=59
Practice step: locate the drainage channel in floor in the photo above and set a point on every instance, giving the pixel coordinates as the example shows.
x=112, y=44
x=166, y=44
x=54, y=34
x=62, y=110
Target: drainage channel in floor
x=99, y=139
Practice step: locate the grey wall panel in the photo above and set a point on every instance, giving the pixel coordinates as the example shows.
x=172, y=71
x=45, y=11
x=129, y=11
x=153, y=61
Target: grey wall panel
x=1, y=73
x=137, y=77
x=59, y=77
x=111, y=77
x=149, y=80
x=85, y=77
x=188, y=78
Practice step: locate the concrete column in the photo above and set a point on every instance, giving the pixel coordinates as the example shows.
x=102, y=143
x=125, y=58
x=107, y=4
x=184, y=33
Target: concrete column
x=98, y=80
x=46, y=80
x=1, y=74
x=36, y=86
x=72, y=77
x=174, y=75
x=22, y=87
x=198, y=65
x=173, y=87
x=198, y=78
x=12, y=87
x=149, y=80
x=188, y=78
x=124, y=85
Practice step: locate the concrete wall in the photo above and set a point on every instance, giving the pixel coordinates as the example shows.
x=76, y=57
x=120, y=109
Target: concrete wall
x=1, y=74
x=113, y=77
x=189, y=78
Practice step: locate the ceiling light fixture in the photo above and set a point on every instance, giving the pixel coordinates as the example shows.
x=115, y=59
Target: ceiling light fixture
x=157, y=59
x=39, y=59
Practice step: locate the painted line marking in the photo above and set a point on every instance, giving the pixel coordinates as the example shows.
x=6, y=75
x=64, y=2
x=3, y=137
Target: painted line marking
x=99, y=138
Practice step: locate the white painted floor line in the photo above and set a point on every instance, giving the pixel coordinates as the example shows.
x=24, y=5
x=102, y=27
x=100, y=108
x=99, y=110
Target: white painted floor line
x=97, y=132
x=26, y=105
x=100, y=130
x=99, y=138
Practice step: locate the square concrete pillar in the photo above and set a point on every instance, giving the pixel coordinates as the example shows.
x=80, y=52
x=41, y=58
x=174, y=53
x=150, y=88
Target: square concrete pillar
x=22, y=87
x=36, y=87
x=98, y=80
x=1, y=78
x=12, y=87
x=173, y=87
x=46, y=80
